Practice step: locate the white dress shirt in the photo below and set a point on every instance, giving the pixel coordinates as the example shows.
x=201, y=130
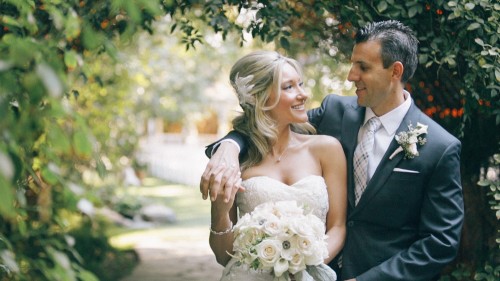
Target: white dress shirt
x=383, y=137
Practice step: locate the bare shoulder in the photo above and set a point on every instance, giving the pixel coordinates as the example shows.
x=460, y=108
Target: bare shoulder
x=321, y=142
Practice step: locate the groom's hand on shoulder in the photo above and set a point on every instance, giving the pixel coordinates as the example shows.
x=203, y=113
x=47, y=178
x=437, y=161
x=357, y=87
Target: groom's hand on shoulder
x=221, y=173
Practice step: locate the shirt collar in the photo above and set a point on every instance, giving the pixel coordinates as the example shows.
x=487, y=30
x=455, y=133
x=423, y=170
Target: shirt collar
x=392, y=119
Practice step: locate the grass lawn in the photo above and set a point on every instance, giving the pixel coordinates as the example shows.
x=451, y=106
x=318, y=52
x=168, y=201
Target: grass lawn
x=192, y=213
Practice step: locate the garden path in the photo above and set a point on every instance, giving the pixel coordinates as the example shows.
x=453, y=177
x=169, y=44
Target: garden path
x=178, y=252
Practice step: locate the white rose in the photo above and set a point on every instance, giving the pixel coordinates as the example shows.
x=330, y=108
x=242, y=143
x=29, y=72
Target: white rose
x=287, y=209
x=269, y=252
x=301, y=226
x=317, y=226
x=272, y=226
x=280, y=267
x=297, y=263
x=318, y=254
x=247, y=238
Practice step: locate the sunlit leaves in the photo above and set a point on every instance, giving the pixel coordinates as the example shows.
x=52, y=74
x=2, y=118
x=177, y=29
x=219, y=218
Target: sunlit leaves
x=7, y=198
x=50, y=80
x=70, y=59
x=82, y=145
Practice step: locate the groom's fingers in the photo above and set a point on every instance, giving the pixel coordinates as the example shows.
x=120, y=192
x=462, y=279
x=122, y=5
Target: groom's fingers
x=221, y=180
x=219, y=170
x=214, y=168
x=216, y=183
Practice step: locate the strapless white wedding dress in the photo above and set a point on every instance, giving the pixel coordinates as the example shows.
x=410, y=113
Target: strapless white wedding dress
x=310, y=191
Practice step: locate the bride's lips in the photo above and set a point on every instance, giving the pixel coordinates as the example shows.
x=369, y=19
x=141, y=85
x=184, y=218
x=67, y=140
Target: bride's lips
x=299, y=106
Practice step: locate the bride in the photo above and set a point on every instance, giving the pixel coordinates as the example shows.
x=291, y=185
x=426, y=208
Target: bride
x=283, y=162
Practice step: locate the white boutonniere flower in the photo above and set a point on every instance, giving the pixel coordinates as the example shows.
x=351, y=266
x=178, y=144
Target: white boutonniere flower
x=408, y=141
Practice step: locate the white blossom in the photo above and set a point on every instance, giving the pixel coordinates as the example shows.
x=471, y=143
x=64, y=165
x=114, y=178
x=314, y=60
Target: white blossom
x=279, y=237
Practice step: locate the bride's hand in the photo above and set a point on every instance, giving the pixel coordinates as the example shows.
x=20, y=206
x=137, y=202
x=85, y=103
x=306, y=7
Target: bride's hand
x=222, y=173
x=222, y=205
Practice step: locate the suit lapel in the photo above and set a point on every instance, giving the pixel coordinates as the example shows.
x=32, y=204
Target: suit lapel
x=351, y=122
x=387, y=165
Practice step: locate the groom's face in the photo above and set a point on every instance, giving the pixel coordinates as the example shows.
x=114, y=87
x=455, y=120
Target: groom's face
x=374, y=83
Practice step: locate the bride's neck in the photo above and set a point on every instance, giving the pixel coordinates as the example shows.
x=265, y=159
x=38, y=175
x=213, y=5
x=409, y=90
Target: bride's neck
x=283, y=142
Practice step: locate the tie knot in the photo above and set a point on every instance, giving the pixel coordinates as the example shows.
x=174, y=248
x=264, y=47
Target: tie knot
x=373, y=124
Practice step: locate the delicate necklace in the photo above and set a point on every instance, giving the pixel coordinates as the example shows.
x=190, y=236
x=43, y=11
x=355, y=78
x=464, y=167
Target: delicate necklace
x=283, y=152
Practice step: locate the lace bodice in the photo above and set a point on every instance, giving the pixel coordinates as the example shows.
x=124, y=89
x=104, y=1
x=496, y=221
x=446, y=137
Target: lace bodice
x=309, y=191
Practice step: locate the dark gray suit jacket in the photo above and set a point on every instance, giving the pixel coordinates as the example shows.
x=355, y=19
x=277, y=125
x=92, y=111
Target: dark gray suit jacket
x=406, y=226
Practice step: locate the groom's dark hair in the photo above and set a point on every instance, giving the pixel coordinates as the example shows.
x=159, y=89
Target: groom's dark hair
x=398, y=42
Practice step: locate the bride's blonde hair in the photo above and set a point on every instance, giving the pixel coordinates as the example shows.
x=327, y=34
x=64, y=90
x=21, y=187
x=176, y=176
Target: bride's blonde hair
x=254, y=77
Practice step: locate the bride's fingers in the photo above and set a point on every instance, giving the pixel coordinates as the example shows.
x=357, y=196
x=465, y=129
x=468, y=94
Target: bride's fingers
x=237, y=187
x=207, y=179
x=230, y=185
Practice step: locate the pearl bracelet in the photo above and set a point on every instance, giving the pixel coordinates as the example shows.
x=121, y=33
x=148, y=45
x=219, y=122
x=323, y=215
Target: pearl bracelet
x=222, y=232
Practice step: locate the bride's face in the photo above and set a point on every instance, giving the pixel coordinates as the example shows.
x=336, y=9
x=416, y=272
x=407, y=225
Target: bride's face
x=291, y=105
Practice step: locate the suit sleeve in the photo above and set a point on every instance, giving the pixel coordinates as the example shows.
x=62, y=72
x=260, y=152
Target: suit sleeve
x=440, y=226
x=315, y=115
x=239, y=138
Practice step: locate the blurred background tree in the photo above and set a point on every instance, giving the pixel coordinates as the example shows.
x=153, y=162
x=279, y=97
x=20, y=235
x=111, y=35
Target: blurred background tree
x=79, y=77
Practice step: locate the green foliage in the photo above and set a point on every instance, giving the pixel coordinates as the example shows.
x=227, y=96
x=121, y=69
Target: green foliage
x=47, y=141
x=489, y=273
x=492, y=181
x=64, y=111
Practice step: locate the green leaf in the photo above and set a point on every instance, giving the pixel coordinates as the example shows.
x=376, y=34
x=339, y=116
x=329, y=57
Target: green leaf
x=101, y=168
x=49, y=176
x=422, y=59
x=86, y=275
x=412, y=12
x=479, y=41
x=72, y=26
x=483, y=183
x=452, y=4
x=7, y=198
x=473, y=26
x=58, y=140
x=382, y=6
x=284, y=43
x=82, y=144
x=469, y=6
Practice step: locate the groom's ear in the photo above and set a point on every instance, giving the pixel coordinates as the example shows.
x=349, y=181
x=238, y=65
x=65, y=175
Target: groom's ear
x=397, y=70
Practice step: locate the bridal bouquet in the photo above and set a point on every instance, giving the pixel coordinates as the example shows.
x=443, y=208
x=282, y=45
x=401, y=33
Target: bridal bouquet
x=281, y=238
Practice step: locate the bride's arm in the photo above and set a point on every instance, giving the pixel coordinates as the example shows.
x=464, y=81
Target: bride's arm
x=333, y=164
x=223, y=218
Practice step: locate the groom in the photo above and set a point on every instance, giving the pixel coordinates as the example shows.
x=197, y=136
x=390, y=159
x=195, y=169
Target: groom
x=405, y=209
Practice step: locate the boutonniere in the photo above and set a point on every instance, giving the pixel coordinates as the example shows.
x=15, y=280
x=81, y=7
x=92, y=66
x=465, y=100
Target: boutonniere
x=408, y=140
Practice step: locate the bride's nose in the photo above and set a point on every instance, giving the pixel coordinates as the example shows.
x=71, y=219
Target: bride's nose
x=302, y=94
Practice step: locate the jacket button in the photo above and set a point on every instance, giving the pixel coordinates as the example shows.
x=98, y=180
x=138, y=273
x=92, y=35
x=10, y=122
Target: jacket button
x=350, y=223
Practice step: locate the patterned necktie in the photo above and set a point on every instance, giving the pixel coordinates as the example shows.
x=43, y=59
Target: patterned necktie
x=361, y=155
